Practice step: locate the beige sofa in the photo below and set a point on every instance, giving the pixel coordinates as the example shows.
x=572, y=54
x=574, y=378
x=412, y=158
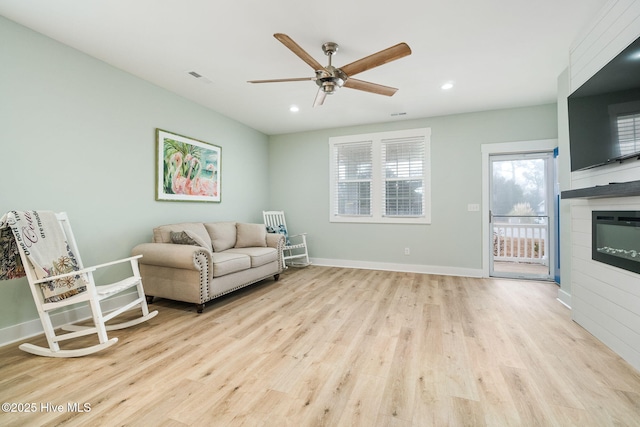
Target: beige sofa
x=197, y=262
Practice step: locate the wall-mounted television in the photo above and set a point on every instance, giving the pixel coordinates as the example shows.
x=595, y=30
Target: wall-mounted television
x=604, y=113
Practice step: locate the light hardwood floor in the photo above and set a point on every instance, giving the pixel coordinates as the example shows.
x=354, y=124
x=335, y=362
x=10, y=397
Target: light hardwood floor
x=341, y=347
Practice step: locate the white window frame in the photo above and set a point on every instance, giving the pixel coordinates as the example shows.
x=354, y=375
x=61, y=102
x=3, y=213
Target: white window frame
x=378, y=177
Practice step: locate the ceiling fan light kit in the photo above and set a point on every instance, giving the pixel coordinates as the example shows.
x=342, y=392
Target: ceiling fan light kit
x=329, y=79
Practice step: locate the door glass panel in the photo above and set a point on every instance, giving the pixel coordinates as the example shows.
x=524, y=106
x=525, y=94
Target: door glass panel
x=519, y=216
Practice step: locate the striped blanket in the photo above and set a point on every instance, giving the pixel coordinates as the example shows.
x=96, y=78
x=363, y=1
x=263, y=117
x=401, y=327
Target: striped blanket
x=39, y=236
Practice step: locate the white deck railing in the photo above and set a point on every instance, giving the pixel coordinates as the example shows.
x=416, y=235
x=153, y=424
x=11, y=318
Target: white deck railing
x=520, y=243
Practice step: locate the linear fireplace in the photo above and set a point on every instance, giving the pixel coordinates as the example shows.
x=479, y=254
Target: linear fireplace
x=616, y=238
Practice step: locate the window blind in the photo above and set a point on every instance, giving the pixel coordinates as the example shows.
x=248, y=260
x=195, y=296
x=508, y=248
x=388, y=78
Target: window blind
x=403, y=165
x=629, y=133
x=353, y=178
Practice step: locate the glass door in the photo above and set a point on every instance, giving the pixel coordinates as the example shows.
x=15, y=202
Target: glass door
x=521, y=215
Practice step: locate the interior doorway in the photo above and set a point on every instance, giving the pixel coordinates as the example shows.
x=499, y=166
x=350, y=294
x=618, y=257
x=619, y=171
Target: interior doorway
x=519, y=230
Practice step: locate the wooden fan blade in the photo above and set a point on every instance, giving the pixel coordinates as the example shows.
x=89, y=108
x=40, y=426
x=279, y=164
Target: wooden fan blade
x=300, y=52
x=370, y=87
x=320, y=96
x=390, y=54
x=297, y=79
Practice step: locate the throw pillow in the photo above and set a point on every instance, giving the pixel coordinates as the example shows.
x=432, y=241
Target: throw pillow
x=281, y=229
x=162, y=234
x=251, y=235
x=187, y=237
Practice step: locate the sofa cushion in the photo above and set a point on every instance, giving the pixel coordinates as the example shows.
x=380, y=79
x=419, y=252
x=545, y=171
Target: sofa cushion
x=162, y=234
x=223, y=235
x=250, y=235
x=259, y=256
x=226, y=263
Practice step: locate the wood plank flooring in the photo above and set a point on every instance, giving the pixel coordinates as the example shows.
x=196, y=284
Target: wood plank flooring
x=340, y=347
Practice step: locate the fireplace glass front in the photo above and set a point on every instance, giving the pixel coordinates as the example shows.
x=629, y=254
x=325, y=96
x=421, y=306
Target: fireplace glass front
x=616, y=238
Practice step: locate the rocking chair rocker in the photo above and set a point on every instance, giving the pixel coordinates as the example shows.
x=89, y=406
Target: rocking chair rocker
x=87, y=293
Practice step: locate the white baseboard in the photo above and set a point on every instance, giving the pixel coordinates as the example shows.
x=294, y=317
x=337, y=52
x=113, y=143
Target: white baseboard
x=405, y=268
x=33, y=327
x=564, y=298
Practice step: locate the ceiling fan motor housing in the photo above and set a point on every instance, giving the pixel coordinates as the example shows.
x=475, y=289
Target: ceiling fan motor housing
x=330, y=79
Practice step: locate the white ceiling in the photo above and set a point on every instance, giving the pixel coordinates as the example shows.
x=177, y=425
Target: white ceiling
x=498, y=53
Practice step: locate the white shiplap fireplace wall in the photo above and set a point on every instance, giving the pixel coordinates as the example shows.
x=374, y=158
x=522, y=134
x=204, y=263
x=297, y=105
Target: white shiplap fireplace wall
x=605, y=299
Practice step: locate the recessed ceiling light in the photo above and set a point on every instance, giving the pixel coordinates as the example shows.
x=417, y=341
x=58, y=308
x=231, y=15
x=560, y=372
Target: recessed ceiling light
x=294, y=109
x=447, y=86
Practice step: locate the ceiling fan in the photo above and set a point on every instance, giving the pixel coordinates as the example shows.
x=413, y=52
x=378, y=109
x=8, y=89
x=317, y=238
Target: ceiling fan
x=329, y=79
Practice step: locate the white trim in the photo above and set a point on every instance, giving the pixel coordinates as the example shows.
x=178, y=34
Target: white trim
x=520, y=147
x=33, y=327
x=404, y=268
x=564, y=298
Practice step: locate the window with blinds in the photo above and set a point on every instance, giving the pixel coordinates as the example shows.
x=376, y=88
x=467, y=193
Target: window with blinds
x=382, y=177
x=629, y=133
x=354, y=165
x=403, y=162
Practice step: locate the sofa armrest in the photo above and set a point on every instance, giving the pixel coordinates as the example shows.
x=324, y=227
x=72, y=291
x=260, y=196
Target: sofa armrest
x=171, y=255
x=277, y=241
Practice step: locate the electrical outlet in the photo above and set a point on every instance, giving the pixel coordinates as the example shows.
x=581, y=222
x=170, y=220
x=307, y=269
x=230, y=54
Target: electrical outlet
x=407, y=251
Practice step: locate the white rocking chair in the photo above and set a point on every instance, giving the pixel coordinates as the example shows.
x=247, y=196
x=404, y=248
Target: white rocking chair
x=295, y=244
x=91, y=297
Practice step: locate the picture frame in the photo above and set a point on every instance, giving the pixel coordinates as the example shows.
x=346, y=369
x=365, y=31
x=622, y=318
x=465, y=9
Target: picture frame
x=187, y=170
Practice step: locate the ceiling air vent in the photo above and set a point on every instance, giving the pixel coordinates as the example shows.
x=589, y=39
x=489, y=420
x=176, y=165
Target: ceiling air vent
x=199, y=76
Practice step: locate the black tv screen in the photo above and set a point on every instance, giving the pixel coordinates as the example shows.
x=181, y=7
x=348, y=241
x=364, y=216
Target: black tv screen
x=604, y=113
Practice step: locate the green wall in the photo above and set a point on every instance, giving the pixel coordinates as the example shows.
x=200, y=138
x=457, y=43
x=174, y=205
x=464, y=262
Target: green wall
x=78, y=135
x=299, y=181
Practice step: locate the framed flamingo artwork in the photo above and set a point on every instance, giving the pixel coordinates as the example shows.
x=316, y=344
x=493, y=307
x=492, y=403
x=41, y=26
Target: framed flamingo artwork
x=187, y=169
